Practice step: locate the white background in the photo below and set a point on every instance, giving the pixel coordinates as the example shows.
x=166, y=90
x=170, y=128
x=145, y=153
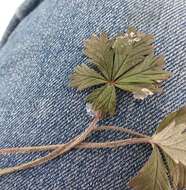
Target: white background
x=7, y=10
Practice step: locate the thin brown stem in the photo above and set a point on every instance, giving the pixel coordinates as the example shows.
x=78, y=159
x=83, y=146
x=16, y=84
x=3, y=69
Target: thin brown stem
x=55, y=153
x=87, y=145
x=65, y=148
x=52, y=147
x=77, y=142
x=120, y=129
x=115, y=144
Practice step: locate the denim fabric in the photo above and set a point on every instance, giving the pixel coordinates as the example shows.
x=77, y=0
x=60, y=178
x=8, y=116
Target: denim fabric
x=37, y=106
x=26, y=7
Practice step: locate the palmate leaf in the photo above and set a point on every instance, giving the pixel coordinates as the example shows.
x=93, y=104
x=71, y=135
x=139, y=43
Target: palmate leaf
x=153, y=176
x=84, y=77
x=179, y=117
x=144, y=76
x=99, y=50
x=176, y=168
x=105, y=99
x=147, y=71
x=126, y=62
x=171, y=138
x=130, y=49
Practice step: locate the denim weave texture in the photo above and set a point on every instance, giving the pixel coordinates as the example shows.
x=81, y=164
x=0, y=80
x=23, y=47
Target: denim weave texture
x=39, y=51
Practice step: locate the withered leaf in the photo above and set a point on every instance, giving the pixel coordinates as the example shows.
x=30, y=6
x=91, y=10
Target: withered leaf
x=179, y=176
x=85, y=77
x=153, y=175
x=171, y=136
x=177, y=173
x=171, y=166
x=126, y=61
x=178, y=116
x=100, y=52
x=141, y=79
x=130, y=49
x=105, y=99
x=177, y=170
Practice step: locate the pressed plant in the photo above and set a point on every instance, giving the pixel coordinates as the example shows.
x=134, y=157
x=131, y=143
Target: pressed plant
x=127, y=62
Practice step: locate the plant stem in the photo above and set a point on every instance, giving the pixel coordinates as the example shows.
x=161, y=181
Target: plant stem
x=63, y=148
x=52, y=147
x=55, y=153
x=87, y=145
x=115, y=144
x=77, y=142
x=120, y=129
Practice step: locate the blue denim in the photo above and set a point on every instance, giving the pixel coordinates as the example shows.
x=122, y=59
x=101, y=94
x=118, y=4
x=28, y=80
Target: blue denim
x=39, y=51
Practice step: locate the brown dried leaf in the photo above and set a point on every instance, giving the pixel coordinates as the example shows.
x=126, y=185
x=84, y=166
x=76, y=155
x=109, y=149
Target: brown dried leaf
x=171, y=136
x=153, y=176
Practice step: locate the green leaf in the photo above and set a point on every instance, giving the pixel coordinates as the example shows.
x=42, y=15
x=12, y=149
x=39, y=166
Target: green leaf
x=148, y=71
x=130, y=49
x=84, y=77
x=153, y=176
x=99, y=50
x=171, y=137
x=144, y=75
x=140, y=91
x=103, y=99
x=126, y=61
